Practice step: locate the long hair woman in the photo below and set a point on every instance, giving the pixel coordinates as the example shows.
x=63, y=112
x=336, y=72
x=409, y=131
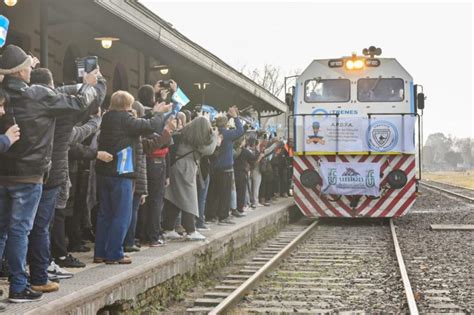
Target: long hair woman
x=197, y=139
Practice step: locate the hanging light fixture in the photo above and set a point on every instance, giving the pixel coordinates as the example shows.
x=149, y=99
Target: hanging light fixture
x=107, y=41
x=164, y=69
x=10, y=3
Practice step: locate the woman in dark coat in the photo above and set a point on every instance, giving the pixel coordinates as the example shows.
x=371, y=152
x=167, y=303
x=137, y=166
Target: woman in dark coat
x=119, y=135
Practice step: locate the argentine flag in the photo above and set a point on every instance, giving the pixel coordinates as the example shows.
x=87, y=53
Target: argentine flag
x=179, y=100
x=210, y=110
x=4, y=22
x=124, y=161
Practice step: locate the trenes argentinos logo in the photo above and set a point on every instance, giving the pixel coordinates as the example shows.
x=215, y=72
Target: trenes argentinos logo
x=382, y=136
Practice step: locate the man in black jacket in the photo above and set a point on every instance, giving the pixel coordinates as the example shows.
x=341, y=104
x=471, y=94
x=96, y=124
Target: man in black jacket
x=24, y=167
x=39, y=238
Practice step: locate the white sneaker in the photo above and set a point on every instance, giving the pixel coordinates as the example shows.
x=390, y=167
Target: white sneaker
x=61, y=273
x=259, y=205
x=172, y=235
x=195, y=236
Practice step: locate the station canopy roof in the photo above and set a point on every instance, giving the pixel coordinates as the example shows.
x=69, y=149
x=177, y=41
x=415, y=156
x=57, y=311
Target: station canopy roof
x=189, y=63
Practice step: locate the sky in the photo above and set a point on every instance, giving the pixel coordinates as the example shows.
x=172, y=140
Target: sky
x=431, y=40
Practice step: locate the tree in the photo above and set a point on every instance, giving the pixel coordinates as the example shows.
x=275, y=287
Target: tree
x=453, y=158
x=440, y=144
x=269, y=77
x=464, y=147
x=428, y=155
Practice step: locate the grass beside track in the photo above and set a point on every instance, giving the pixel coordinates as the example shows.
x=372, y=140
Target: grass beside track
x=463, y=179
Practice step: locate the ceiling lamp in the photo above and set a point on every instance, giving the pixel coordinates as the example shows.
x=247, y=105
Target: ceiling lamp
x=107, y=41
x=10, y=3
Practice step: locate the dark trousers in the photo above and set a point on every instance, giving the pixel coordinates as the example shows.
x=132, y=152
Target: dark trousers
x=130, y=237
x=39, y=238
x=58, y=234
x=218, y=197
x=170, y=214
x=266, y=189
x=283, y=178
x=80, y=211
x=153, y=209
x=241, y=188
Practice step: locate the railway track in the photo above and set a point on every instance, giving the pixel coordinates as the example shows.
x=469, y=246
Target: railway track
x=327, y=267
x=453, y=190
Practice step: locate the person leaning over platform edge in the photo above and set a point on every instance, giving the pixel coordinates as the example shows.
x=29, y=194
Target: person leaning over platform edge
x=120, y=130
x=24, y=166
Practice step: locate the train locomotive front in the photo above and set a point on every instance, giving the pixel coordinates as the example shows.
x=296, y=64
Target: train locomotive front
x=355, y=123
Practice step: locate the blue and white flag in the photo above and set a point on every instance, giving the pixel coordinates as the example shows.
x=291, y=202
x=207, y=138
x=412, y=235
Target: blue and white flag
x=272, y=129
x=125, y=161
x=256, y=125
x=210, y=110
x=4, y=22
x=179, y=100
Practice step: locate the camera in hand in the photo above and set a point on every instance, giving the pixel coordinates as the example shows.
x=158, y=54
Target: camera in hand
x=85, y=65
x=166, y=84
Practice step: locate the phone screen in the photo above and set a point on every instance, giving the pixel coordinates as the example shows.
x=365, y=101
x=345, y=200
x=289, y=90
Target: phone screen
x=90, y=64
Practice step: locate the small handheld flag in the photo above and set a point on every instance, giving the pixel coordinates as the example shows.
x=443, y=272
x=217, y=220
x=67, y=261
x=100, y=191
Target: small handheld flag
x=179, y=100
x=210, y=110
x=124, y=161
x=4, y=22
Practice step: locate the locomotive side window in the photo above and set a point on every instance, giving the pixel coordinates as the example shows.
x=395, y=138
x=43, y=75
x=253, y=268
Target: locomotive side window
x=380, y=90
x=325, y=91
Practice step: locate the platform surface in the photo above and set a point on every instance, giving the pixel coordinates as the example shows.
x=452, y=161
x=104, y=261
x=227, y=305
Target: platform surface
x=98, y=285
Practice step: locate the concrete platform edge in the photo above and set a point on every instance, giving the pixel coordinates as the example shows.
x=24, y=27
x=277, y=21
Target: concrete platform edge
x=129, y=284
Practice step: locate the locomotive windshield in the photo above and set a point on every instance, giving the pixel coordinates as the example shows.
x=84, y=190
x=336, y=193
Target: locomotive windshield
x=380, y=90
x=331, y=90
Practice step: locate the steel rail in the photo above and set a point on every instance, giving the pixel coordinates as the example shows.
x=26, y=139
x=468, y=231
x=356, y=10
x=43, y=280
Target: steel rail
x=403, y=272
x=245, y=287
x=470, y=199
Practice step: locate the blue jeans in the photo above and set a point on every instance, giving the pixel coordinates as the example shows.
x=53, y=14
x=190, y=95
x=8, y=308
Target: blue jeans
x=114, y=216
x=202, y=195
x=130, y=237
x=18, y=206
x=38, y=247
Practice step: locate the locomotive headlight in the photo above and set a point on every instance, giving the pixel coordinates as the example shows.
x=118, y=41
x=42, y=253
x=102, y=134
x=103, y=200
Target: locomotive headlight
x=310, y=178
x=397, y=179
x=358, y=64
x=349, y=64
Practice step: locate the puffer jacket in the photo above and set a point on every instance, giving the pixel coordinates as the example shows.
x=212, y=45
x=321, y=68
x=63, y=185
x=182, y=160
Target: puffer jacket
x=120, y=130
x=35, y=108
x=141, y=183
x=62, y=134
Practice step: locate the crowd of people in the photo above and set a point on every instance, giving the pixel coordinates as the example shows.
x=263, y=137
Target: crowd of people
x=77, y=167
